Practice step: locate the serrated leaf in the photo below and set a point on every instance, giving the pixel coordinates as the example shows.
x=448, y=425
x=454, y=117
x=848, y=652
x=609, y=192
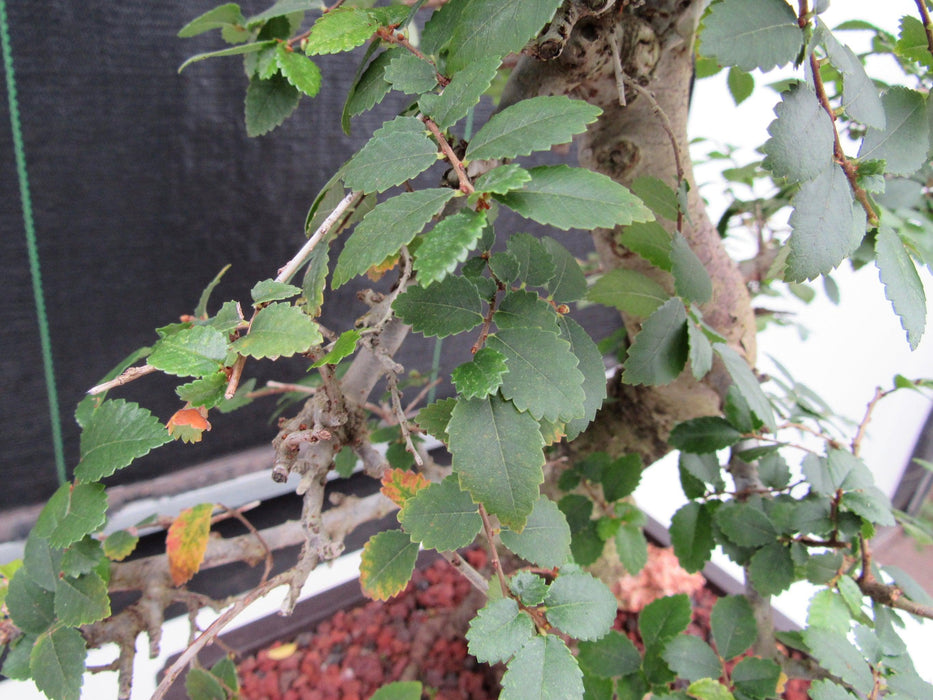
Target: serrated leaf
x=535, y=266
x=747, y=384
x=369, y=90
x=826, y=226
x=498, y=631
x=531, y=125
x=902, y=285
x=905, y=140
x=16, y=659
x=870, y=503
x=383, y=231
x=410, y=74
x=733, y=625
x=299, y=70
x=860, y=98
x=119, y=545
x=692, y=536
x=650, y=240
x=30, y=606
x=839, y=657
x=269, y=102
x=217, y=18
x=691, y=658
x=827, y=690
x=529, y=587
x=628, y=291
x=387, y=563
x=709, y=689
x=399, y=690
x=543, y=669
x=441, y=516
x=745, y=525
x=566, y=197
x=802, y=136
x=704, y=434
x=663, y=619
x=568, y=283
x=691, y=280
x=42, y=562
x=399, y=485
x=463, y=91
x=771, y=569
x=82, y=600
x=186, y=542
x=524, y=309
x=348, y=27
x=271, y=290
x=482, y=376
x=545, y=539
x=660, y=350
x=484, y=28
x=193, y=352
x=447, y=244
x=434, y=418
x=912, y=42
x=701, y=351
x=704, y=467
x=278, y=330
x=751, y=34
x=632, y=548
x=57, y=663
x=543, y=378
x=207, y=391
x=73, y=511
x=502, y=179
x=594, y=373
x=343, y=347
x=620, y=477
x=497, y=453
x=83, y=557
x=828, y=610
x=450, y=306
x=315, y=279
x=609, y=656
x=397, y=152
x=657, y=195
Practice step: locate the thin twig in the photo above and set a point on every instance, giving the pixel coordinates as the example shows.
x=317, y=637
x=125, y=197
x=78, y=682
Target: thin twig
x=468, y=572
x=128, y=375
x=292, y=266
x=272, y=387
x=238, y=514
x=927, y=22
x=236, y=373
x=393, y=37
x=420, y=396
x=493, y=552
x=863, y=425
x=392, y=382
x=465, y=185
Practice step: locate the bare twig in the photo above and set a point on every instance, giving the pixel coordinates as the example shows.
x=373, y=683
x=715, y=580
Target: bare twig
x=863, y=424
x=128, y=375
x=468, y=572
x=465, y=185
x=236, y=373
x=927, y=22
x=493, y=552
x=238, y=514
x=292, y=266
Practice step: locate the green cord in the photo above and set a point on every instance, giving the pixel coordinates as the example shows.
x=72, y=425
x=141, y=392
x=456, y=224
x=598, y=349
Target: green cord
x=32, y=249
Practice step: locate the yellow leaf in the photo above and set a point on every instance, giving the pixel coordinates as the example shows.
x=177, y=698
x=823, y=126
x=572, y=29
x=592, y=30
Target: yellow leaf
x=282, y=652
x=186, y=542
x=398, y=485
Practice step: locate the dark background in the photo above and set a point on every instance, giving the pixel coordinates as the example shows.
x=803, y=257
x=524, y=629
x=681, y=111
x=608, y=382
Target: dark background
x=144, y=185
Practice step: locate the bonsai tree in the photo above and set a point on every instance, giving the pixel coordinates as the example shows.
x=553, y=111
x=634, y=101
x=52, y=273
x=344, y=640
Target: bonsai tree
x=544, y=452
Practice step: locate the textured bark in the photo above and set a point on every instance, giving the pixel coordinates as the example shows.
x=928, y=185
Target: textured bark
x=654, y=42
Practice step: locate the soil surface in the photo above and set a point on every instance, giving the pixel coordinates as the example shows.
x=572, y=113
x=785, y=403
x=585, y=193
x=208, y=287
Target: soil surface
x=418, y=635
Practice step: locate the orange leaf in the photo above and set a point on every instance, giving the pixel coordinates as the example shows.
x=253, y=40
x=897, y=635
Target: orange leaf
x=186, y=542
x=398, y=485
x=188, y=424
x=376, y=272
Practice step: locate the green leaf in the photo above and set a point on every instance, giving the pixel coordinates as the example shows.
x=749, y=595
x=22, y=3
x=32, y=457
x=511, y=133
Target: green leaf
x=632, y=548
x=827, y=690
x=660, y=350
x=207, y=391
x=30, y=606
x=704, y=434
x=701, y=351
x=231, y=51
x=802, y=136
x=828, y=610
x=463, y=91
x=192, y=352
x=741, y=85
x=535, y=267
x=315, y=279
x=299, y=70
x=482, y=376
x=203, y=685
x=657, y=195
x=369, y=90
x=543, y=669
x=524, y=309
x=442, y=516
x=747, y=384
x=611, y=655
x=200, y=311
x=279, y=330
x=281, y=8
x=826, y=226
x=663, y=619
x=691, y=280
x=860, y=98
x=83, y=557
x=497, y=455
x=82, y=600
x=904, y=142
x=503, y=179
x=709, y=689
x=912, y=42
x=651, y=241
x=745, y=525
x=543, y=378
x=545, y=539
x=119, y=545
x=57, y=663
x=270, y=290
x=692, y=658
x=450, y=306
x=733, y=625
x=529, y=587
x=16, y=661
x=704, y=467
x=383, y=231
x=692, y=536
x=397, y=152
x=751, y=34
x=447, y=244
x=434, y=418
x=566, y=197
x=902, y=285
x=42, y=562
x=387, y=563
x=870, y=503
x=498, y=631
x=628, y=291
x=216, y=18
x=344, y=347
x=594, y=373
x=410, y=74
x=568, y=283
x=399, y=690
x=839, y=657
x=484, y=28
x=348, y=27
x=771, y=569
x=269, y=102
x=72, y=512
x=531, y=125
